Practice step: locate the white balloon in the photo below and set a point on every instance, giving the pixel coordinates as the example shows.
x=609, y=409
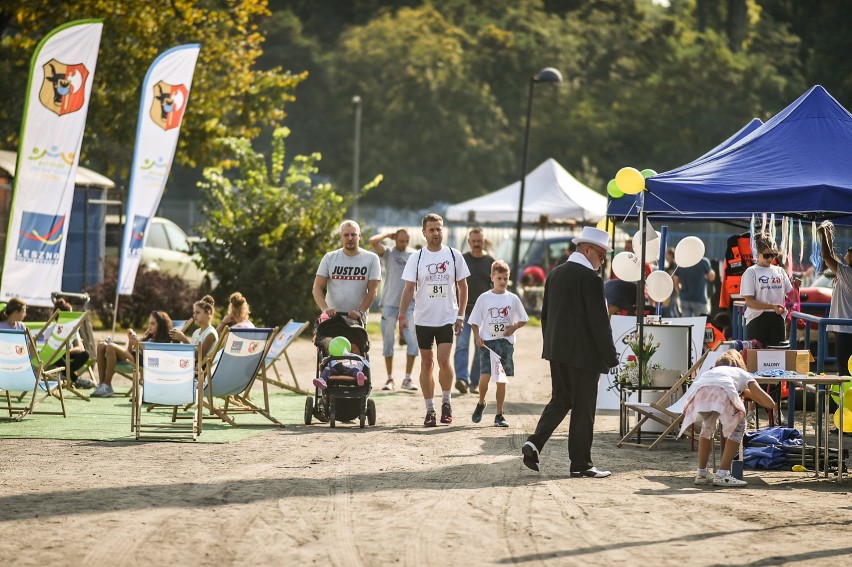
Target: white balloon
x=689, y=251
x=653, y=253
x=625, y=265
x=659, y=285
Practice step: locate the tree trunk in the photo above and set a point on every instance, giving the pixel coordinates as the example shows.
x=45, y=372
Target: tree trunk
x=736, y=24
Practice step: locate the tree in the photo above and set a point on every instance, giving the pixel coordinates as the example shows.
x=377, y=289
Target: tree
x=229, y=97
x=268, y=227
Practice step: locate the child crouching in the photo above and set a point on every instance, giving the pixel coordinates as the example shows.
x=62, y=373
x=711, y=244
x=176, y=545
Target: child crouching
x=716, y=396
x=495, y=318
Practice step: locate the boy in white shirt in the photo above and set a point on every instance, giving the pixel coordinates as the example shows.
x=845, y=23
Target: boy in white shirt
x=495, y=318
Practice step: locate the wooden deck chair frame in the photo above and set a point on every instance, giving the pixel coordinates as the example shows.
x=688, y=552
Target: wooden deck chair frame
x=172, y=429
x=288, y=333
x=240, y=402
x=29, y=378
x=659, y=412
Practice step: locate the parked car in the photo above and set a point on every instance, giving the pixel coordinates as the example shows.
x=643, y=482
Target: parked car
x=167, y=249
x=545, y=250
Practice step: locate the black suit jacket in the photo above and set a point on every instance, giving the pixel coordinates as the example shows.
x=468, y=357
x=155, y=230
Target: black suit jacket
x=574, y=319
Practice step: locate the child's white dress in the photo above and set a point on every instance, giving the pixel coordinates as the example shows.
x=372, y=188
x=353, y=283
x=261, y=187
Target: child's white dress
x=717, y=390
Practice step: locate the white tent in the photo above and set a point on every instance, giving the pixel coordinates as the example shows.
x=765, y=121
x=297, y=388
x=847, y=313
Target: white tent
x=549, y=190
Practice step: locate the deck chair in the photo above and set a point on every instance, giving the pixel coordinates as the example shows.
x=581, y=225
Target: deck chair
x=60, y=333
x=232, y=375
x=171, y=371
x=21, y=370
x=285, y=337
x=126, y=368
x=662, y=411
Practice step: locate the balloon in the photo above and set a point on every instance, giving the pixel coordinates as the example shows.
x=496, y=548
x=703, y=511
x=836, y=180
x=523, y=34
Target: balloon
x=339, y=346
x=689, y=251
x=847, y=420
x=847, y=390
x=613, y=190
x=602, y=225
x=653, y=253
x=625, y=265
x=630, y=180
x=646, y=173
x=659, y=285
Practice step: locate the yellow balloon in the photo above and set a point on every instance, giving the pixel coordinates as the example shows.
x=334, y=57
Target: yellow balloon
x=847, y=420
x=602, y=225
x=630, y=180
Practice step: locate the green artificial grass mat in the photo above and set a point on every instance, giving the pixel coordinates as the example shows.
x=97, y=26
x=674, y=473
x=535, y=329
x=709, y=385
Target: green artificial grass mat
x=108, y=419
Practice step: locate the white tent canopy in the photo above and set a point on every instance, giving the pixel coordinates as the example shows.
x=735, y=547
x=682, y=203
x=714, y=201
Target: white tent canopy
x=85, y=177
x=550, y=190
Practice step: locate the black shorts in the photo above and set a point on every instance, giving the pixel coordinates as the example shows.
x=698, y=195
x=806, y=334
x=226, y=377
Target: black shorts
x=440, y=335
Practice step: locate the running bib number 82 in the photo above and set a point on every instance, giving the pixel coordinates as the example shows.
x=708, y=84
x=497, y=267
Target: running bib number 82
x=498, y=330
x=437, y=291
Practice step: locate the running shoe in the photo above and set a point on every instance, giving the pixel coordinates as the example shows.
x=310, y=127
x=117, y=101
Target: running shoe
x=728, y=481
x=706, y=478
x=407, y=384
x=446, y=413
x=500, y=421
x=430, y=419
x=388, y=385
x=461, y=386
x=477, y=413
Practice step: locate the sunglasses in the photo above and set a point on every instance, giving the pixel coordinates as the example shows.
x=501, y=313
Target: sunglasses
x=769, y=255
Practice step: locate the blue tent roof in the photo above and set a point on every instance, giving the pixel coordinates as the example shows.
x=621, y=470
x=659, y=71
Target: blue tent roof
x=798, y=163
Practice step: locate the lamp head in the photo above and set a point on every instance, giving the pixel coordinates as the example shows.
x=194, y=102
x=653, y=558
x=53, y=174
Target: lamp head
x=356, y=100
x=548, y=75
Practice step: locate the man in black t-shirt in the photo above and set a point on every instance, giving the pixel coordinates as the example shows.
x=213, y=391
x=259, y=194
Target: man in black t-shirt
x=620, y=296
x=478, y=283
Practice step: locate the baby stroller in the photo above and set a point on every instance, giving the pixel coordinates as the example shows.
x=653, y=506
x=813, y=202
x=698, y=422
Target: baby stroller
x=344, y=399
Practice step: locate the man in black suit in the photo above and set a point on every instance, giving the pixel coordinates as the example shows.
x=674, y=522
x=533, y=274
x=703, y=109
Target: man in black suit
x=578, y=343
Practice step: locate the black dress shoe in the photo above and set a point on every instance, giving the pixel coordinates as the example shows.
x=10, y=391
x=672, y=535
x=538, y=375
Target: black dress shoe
x=530, y=452
x=591, y=473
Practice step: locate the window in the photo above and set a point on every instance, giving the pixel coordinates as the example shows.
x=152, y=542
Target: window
x=157, y=236
x=177, y=238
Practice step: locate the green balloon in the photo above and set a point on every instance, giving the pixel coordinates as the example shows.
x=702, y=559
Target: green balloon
x=613, y=189
x=339, y=346
x=646, y=173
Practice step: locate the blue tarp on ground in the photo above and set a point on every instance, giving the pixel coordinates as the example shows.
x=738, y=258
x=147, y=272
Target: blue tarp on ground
x=798, y=163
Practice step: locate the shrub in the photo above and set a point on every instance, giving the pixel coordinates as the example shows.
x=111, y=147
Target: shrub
x=152, y=291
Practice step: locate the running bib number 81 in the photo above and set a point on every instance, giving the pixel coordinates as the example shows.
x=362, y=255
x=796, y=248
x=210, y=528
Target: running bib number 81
x=437, y=291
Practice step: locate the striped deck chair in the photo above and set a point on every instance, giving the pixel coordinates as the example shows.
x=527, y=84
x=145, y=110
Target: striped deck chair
x=21, y=370
x=170, y=381
x=285, y=337
x=232, y=375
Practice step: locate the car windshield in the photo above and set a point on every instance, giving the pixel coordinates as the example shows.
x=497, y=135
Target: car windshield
x=506, y=248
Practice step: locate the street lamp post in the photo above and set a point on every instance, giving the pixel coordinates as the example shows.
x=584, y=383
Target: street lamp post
x=547, y=75
x=356, y=159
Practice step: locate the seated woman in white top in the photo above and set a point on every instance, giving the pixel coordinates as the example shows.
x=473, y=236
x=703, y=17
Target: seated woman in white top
x=12, y=316
x=238, y=314
x=205, y=334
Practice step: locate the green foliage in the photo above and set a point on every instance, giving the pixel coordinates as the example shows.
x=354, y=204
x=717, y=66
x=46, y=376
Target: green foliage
x=153, y=291
x=268, y=227
x=230, y=96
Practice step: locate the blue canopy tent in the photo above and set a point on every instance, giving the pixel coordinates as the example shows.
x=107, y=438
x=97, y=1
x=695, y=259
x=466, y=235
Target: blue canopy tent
x=799, y=163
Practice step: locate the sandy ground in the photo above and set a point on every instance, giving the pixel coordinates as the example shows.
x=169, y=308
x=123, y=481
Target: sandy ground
x=400, y=494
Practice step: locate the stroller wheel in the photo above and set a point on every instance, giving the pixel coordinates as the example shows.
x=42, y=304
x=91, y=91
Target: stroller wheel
x=371, y=412
x=309, y=410
x=331, y=422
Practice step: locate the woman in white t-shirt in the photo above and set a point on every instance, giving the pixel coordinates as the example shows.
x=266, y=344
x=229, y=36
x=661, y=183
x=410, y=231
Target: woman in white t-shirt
x=716, y=396
x=205, y=334
x=764, y=288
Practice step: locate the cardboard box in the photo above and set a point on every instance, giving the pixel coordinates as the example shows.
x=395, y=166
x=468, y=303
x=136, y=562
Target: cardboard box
x=758, y=360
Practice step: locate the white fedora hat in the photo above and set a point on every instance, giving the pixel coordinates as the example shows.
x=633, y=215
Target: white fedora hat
x=596, y=236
